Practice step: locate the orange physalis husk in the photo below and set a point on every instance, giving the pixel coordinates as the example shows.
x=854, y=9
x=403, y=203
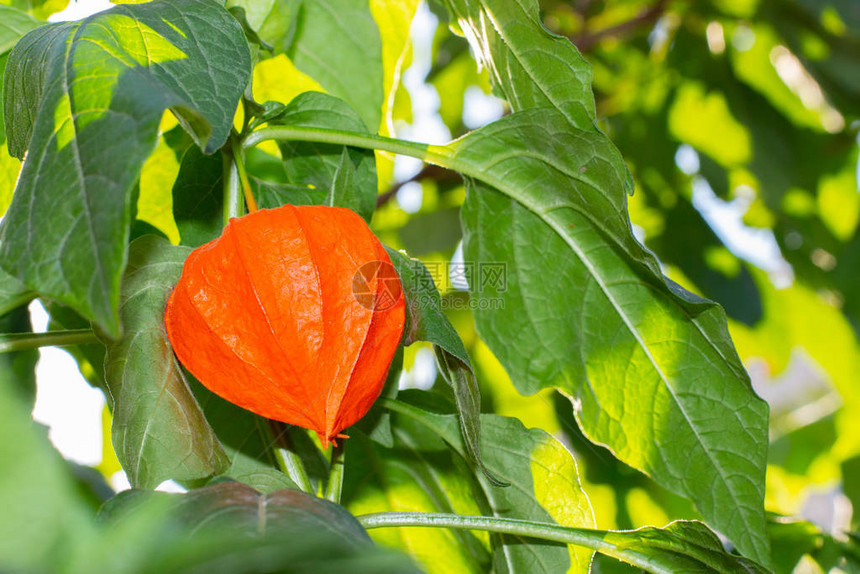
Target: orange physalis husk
x=293, y=313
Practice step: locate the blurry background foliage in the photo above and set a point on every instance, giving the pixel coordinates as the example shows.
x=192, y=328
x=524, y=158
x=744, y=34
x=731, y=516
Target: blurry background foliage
x=739, y=122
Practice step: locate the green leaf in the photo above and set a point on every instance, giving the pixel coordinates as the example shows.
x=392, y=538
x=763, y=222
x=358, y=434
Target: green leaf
x=544, y=484
x=238, y=506
x=682, y=546
x=528, y=66
x=270, y=195
x=584, y=308
x=12, y=293
x=198, y=197
x=85, y=99
x=230, y=528
x=318, y=165
x=273, y=20
x=344, y=193
x=13, y=24
x=337, y=43
x=394, y=20
x=425, y=321
x=159, y=431
x=40, y=9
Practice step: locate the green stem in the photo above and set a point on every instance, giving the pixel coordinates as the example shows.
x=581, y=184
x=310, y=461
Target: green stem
x=243, y=175
x=597, y=540
x=437, y=155
x=335, y=476
x=25, y=341
x=234, y=204
x=288, y=460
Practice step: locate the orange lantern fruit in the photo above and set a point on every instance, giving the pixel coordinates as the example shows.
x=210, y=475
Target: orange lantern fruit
x=293, y=313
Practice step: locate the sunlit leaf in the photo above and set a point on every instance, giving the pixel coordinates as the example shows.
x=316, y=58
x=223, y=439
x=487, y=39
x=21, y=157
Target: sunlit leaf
x=337, y=43
x=579, y=293
x=40, y=9
x=87, y=139
x=273, y=20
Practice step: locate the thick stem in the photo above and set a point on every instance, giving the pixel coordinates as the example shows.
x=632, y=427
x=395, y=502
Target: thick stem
x=234, y=205
x=335, y=476
x=239, y=160
x=25, y=341
x=597, y=540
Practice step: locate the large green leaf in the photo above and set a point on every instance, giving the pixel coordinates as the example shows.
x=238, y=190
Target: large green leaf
x=544, y=484
x=584, y=307
x=84, y=100
x=159, y=431
x=337, y=43
x=651, y=368
x=317, y=165
x=528, y=66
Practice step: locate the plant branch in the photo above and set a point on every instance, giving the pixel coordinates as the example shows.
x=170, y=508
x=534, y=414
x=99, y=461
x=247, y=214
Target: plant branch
x=24, y=341
x=586, y=41
x=619, y=545
x=335, y=477
x=234, y=205
x=288, y=460
x=594, y=539
x=428, y=172
x=437, y=155
x=243, y=175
